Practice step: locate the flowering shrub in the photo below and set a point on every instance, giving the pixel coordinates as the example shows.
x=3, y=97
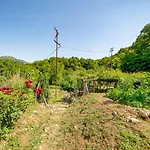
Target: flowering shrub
x=11, y=106
x=8, y=90
x=13, y=103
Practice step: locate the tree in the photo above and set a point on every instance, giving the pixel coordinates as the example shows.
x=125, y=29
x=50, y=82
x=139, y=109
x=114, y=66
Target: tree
x=138, y=58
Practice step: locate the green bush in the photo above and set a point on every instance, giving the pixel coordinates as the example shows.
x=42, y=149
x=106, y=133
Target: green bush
x=132, y=91
x=10, y=109
x=68, y=83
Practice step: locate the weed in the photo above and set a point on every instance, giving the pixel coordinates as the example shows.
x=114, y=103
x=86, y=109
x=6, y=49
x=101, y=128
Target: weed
x=129, y=140
x=13, y=143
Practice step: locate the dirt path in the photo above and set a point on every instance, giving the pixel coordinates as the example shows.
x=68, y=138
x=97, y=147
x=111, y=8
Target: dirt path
x=98, y=123
x=37, y=128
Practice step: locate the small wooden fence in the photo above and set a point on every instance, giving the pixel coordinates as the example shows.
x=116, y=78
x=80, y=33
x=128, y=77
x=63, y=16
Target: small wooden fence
x=95, y=85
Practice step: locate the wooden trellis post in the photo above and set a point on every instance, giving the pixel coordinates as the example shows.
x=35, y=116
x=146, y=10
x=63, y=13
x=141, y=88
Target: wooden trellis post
x=85, y=87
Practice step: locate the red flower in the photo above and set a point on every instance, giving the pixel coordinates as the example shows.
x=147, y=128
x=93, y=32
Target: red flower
x=35, y=89
x=4, y=88
x=38, y=91
x=28, y=83
x=7, y=93
x=7, y=88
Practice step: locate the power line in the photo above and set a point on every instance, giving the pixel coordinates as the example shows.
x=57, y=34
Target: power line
x=50, y=54
x=75, y=49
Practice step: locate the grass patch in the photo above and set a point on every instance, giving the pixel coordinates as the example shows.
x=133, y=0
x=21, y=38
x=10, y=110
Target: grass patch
x=130, y=140
x=13, y=143
x=82, y=125
x=60, y=96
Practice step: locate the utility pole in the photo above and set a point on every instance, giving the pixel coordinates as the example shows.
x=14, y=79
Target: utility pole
x=111, y=53
x=57, y=44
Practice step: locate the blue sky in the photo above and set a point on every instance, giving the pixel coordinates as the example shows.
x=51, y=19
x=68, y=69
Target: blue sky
x=27, y=26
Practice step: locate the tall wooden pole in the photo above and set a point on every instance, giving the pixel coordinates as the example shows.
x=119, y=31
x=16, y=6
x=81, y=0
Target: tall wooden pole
x=111, y=52
x=56, y=41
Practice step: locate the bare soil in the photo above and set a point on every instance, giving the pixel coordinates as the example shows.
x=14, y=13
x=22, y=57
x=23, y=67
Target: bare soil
x=92, y=122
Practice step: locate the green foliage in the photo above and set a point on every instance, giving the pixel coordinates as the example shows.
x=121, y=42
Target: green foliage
x=13, y=143
x=133, y=91
x=136, y=62
x=130, y=140
x=138, y=58
x=68, y=83
x=2, y=80
x=11, y=107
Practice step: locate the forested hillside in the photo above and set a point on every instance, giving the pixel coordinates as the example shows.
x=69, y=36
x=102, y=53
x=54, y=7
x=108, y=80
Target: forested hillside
x=130, y=59
x=133, y=58
x=138, y=57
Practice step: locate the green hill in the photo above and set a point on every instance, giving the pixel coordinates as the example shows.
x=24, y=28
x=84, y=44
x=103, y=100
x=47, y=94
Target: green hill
x=133, y=58
x=14, y=59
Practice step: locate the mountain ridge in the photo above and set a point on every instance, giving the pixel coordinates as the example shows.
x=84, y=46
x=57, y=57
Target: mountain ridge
x=13, y=58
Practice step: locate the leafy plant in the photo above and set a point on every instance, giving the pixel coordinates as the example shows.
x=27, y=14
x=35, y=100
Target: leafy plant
x=133, y=91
